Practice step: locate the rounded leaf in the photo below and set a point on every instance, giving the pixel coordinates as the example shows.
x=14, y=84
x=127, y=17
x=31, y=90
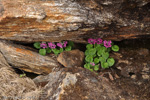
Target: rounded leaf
x=42, y=52
x=37, y=45
x=86, y=52
x=115, y=48
x=61, y=50
x=105, y=55
x=96, y=67
x=56, y=51
x=101, y=59
x=68, y=48
x=96, y=60
x=104, y=65
x=98, y=47
x=89, y=58
x=48, y=50
x=88, y=46
x=110, y=61
x=87, y=66
x=92, y=51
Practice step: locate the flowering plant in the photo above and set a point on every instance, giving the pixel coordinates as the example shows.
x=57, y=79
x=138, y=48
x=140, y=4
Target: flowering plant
x=97, y=54
x=56, y=48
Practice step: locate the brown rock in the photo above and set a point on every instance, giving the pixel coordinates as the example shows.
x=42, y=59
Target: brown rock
x=76, y=20
x=143, y=52
x=79, y=84
x=25, y=59
x=12, y=87
x=71, y=58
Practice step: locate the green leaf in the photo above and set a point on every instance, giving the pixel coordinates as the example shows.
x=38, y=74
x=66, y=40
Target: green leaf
x=115, y=48
x=89, y=58
x=48, y=50
x=96, y=60
x=98, y=47
x=105, y=65
x=22, y=75
x=101, y=50
x=91, y=70
x=108, y=49
x=87, y=66
x=101, y=59
x=105, y=55
x=92, y=51
x=110, y=61
x=96, y=67
x=71, y=44
x=42, y=52
x=99, y=53
x=88, y=46
x=61, y=50
x=56, y=51
x=68, y=48
x=37, y=45
x=86, y=52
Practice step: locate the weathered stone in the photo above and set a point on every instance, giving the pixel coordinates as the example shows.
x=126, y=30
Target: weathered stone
x=143, y=52
x=79, y=84
x=76, y=20
x=12, y=87
x=71, y=58
x=133, y=62
x=25, y=59
x=3, y=62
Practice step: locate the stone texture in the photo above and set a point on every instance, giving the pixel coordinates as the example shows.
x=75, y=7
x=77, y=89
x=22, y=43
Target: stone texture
x=79, y=84
x=133, y=62
x=25, y=59
x=12, y=87
x=76, y=20
x=71, y=58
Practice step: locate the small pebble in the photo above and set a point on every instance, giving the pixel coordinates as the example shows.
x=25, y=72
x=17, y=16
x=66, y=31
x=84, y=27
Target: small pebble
x=145, y=77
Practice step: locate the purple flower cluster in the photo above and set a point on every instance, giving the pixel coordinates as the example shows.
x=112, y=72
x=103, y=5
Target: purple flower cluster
x=53, y=46
x=107, y=44
x=92, y=63
x=43, y=45
x=94, y=41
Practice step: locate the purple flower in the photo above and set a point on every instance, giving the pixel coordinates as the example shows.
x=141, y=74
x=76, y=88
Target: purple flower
x=91, y=41
x=107, y=44
x=60, y=45
x=99, y=41
x=51, y=45
x=43, y=45
x=65, y=43
x=93, y=64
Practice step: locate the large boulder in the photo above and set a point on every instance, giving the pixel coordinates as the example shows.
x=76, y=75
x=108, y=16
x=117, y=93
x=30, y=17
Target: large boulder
x=76, y=20
x=25, y=59
x=79, y=84
x=12, y=87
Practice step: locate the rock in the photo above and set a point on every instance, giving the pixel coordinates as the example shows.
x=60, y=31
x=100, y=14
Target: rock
x=12, y=87
x=20, y=57
x=143, y=52
x=146, y=77
x=138, y=65
x=3, y=62
x=71, y=58
x=76, y=20
x=79, y=84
